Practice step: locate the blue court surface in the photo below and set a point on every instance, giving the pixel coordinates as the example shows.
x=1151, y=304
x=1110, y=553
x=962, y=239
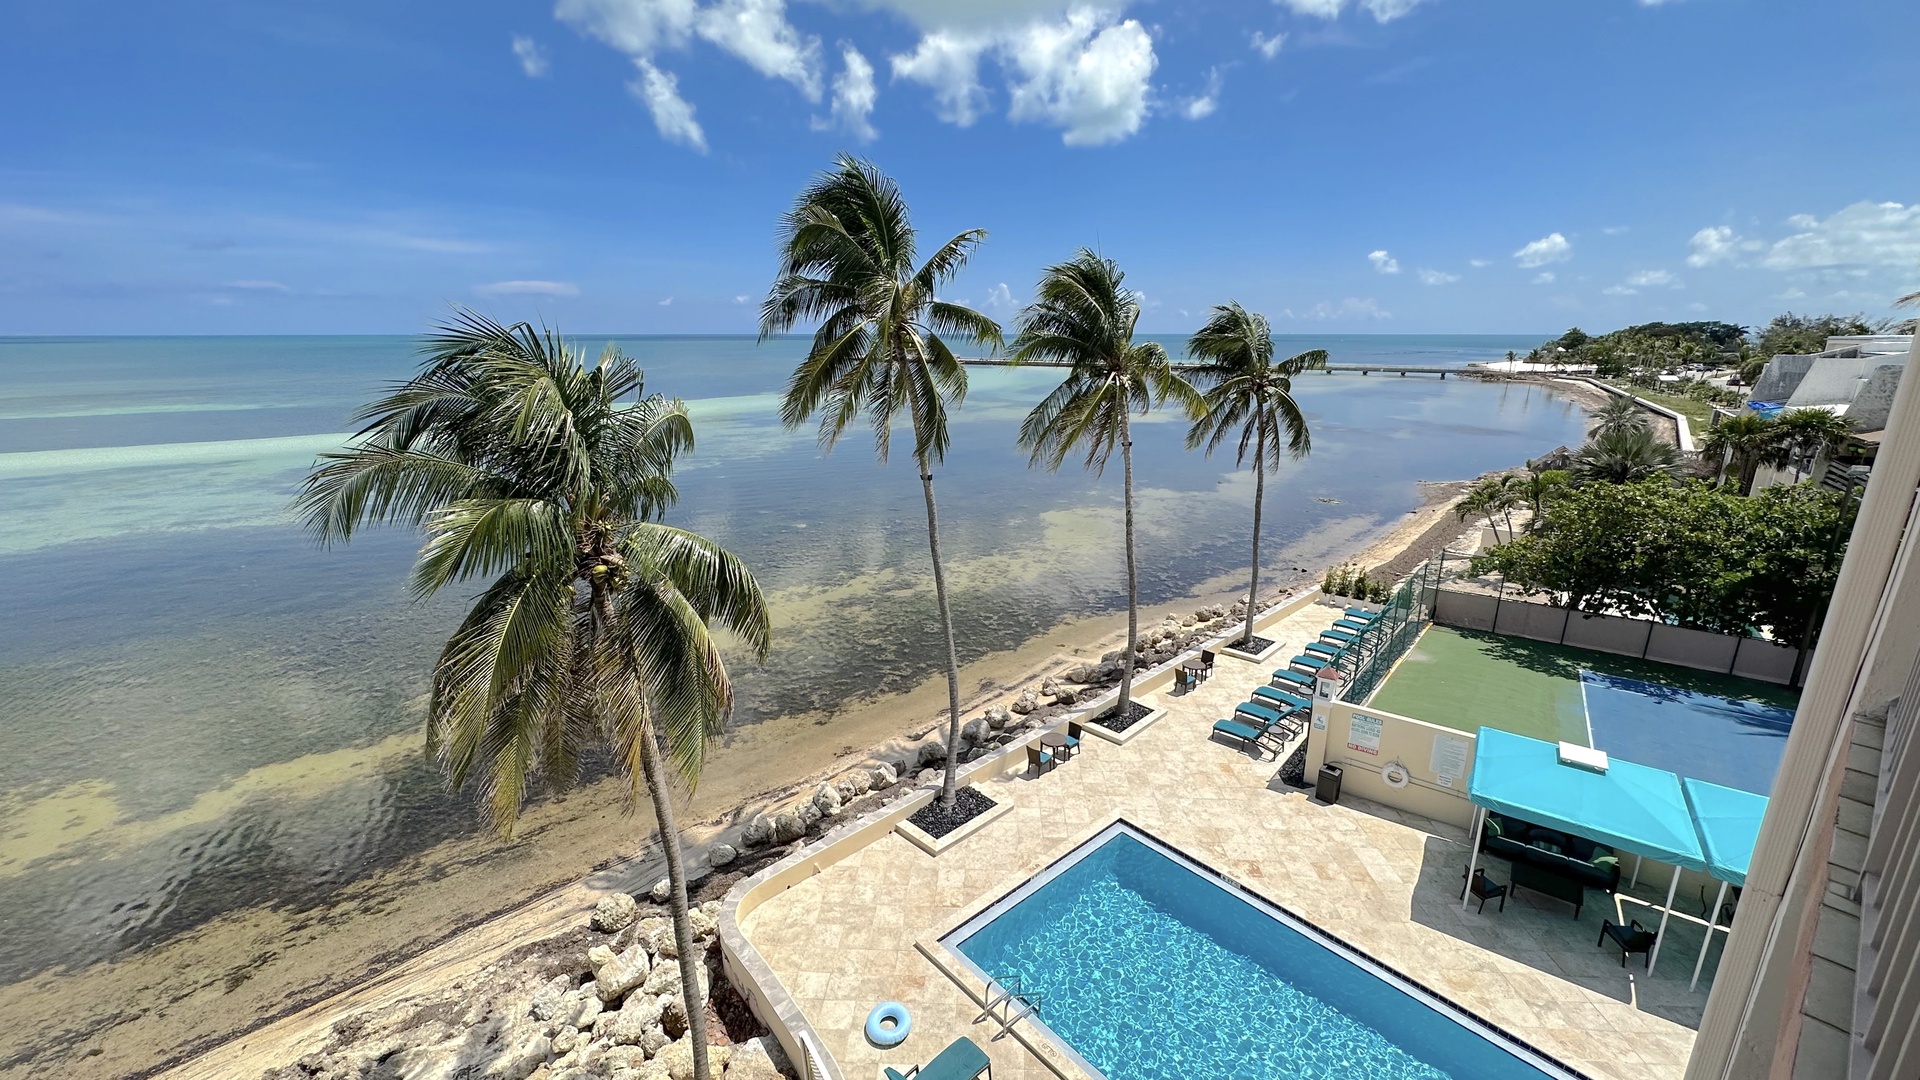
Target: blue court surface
x=1728, y=741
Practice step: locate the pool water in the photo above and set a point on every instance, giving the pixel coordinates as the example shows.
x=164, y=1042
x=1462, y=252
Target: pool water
x=1732, y=742
x=1148, y=968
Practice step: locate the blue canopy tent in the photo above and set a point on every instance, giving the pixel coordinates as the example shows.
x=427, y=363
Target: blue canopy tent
x=1728, y=821
x=1631, y=807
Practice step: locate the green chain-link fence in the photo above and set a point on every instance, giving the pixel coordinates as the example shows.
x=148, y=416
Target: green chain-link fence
x=1366, y=664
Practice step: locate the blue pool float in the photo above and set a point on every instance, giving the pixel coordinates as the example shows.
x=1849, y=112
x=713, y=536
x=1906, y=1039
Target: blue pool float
x=888, y=1024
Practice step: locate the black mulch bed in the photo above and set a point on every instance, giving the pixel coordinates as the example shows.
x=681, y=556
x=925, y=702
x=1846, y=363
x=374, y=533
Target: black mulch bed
x=1113, y=721
x=1294, y=771
x=1252, y=646
x=937, y=821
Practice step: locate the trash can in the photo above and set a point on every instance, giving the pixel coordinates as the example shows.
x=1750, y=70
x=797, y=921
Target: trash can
x=1327, y=790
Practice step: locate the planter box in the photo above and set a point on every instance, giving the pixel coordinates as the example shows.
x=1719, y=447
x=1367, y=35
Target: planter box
x=919, y=838
x=1256, y=658
x=1118, y=738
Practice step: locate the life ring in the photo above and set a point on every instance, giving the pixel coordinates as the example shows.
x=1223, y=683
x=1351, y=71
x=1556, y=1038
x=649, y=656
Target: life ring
x=888, y=1024
x=1395, y=775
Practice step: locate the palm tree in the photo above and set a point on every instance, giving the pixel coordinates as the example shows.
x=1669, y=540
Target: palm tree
x=1492, y=498
x=1805, y=434
x=1625, y=456
x=1619, y=414
x=848, y=260
x=1249, y=393
x=1539, y=489
x=1743, y=444
x=1084, y=315
x=531, y=471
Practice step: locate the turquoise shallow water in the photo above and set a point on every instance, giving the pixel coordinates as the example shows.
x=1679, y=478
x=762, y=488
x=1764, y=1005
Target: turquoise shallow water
x=1150, y=971
x=178, y=662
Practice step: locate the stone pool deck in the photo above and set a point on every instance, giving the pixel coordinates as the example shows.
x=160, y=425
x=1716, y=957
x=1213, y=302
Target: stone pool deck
x=1384, y=881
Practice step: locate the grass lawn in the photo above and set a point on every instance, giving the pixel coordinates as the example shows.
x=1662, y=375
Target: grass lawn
x=1465, y=680
x=1698, y=413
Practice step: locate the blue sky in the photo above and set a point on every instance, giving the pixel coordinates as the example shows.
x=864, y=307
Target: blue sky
x=1345, y=166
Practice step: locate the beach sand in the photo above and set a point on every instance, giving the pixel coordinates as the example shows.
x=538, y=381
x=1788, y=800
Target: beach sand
x=256, y=988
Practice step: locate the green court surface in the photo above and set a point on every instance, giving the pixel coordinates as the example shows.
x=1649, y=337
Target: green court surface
x=1466, y=680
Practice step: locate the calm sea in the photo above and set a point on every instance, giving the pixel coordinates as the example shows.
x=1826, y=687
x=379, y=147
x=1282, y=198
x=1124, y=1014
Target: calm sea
x=201, y=711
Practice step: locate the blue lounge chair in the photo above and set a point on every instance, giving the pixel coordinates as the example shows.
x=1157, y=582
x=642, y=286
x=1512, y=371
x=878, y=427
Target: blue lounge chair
x=1255, y=736
x=1265, y=714
x=1362, y=614
x=1339, y=636
x=1352, y=625
x=1297, y=678
x=1279, y=699
x=961, y=1060
x=1309, y=664
x=1326, y=649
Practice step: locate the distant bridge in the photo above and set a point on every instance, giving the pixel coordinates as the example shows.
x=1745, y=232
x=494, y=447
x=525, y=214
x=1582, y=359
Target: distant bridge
x=1402, y=370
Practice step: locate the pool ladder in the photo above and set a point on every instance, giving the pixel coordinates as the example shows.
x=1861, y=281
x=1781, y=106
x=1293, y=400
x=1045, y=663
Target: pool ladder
x=1014, y=1001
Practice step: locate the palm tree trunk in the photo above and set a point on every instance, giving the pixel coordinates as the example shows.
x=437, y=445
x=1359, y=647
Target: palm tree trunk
x=1259, y=497
x=1124, y=707
x=661, y=794
x=947, y=788
x=692, y=960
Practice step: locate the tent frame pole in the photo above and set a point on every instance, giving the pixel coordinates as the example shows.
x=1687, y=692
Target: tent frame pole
x=1473, y=854
x=1713, y=921
x=1660, y=935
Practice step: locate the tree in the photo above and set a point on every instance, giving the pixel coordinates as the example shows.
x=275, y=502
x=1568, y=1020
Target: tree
x=527, y=467
x=1806, y=434
x=1619, y=414
x=848, y=256
x=1246, y=392
x=1084, y=315
x=1540, y=488
x=1493, y=498
x=1743, y=444
x=1624, y=456
x=1801, y=335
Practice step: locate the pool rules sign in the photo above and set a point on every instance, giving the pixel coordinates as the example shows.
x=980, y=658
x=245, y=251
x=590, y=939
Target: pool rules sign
x=1363, y=734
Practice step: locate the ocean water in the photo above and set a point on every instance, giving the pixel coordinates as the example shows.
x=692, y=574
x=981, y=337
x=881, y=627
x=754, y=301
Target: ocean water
x=201, y=711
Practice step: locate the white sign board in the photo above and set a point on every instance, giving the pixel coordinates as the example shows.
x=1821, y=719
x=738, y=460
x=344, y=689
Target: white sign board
x=1364, y=734
x=1449, y=760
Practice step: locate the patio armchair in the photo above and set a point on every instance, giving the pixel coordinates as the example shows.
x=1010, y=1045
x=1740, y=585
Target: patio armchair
x=1632, y=939
x=961, y=1060
x=1206, y=662
x=1040, y=761
x=1074, y=733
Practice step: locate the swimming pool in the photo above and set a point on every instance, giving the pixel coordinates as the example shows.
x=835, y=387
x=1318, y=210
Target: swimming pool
x=1732, y=742
x=1149, y=967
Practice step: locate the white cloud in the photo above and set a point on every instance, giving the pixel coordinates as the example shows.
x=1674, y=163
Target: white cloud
x=1716, y=244
x=949, y=64
x=1201, y=107
x=1619, y=290
x=1436, y=277
x=672, y=114
x=853, y=97
x=757, y=31
x=1086, y=74
x=254, y=285
x=753, y=31
x=1383, y=262
x=1381, y=10
x=528, y=288
x=1352, y=307
x=1268, y=47
x=533, y=58
x=1861, y=235
x=1653, y=279
x=741, y=299
x=668, y=302
x=1000, y=297
x=1551, y=248
x=1615, y=230
x=1696, y=306
x=1479, y=264
x=1544, y=277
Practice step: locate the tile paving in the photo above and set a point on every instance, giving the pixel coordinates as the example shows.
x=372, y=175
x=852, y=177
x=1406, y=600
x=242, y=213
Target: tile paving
x=1381, y=879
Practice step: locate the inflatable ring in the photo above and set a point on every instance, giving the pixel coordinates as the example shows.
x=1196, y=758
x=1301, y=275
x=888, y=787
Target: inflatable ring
x=888, y=1024
x=1395, y=775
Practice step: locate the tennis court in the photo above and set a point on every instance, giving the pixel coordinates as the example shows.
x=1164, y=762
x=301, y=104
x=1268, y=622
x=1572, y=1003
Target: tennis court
x=1712, y=727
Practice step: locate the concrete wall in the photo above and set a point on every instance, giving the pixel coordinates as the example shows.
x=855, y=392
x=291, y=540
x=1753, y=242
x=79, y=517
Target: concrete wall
x=1403, y=739
x=1749, y=658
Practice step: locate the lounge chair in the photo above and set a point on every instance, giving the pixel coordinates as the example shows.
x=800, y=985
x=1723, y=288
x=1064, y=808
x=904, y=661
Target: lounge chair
x=1295, y=678
x=1339, y=636
x=1362, y=614
x=1309, y=663
x=1279, y=699
x=1254, y=736
x=1039, y=759
x=1358, y=626
x=1325, y=648
x=961, y=1060
x=1260, y=712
